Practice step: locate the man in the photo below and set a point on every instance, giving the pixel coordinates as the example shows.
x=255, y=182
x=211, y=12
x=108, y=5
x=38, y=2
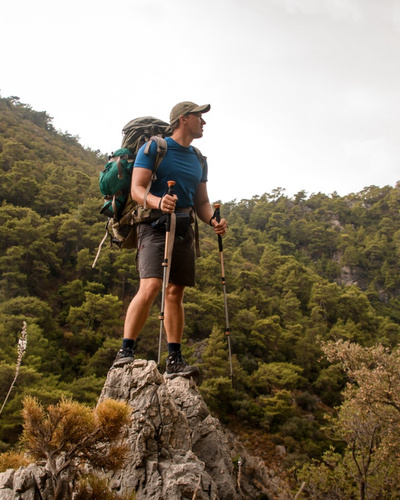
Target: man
x=182, y=165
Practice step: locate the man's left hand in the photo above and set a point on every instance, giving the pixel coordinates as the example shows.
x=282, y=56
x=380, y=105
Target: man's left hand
x=219, y=227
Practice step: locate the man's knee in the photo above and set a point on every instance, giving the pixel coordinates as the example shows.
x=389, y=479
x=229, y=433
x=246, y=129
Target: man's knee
x=174, y=293
x=149, y=288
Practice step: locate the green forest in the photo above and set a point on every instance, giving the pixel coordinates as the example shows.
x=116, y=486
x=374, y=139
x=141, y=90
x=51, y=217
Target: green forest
x=313, y=291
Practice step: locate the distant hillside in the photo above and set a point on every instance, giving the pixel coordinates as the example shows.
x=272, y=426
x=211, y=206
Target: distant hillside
x=42, y=169
x=299, y=271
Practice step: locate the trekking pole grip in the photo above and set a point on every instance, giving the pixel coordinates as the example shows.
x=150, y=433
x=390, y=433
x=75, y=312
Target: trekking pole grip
x=218, y=219
x=170, y=191
x=171, y=185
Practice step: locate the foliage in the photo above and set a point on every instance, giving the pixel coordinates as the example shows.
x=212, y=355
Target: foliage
x=368, y=422
x=69, y=434
x=327, y=478
x=92, y=487
x=21, y=348
x=13, y=460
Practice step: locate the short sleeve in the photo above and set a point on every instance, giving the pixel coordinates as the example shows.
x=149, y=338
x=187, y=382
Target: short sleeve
x=146, y=160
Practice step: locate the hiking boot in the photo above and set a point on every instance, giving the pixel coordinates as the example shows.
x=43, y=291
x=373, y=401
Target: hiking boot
x=177, y=366
x=124, y=356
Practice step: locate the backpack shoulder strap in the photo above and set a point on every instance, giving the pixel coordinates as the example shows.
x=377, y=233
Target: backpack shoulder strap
x=203, y=163
x=200, y=156
x=204, y=166
x=161, y=152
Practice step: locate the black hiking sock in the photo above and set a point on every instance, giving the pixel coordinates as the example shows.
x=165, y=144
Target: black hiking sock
x=173, y=347
x=129, y=343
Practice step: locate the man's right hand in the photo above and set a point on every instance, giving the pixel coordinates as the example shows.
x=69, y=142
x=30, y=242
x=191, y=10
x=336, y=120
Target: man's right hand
x=168, y=203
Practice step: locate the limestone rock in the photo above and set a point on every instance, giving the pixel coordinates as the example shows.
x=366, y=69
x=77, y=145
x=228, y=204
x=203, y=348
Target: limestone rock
x=177, y=449
x=26, y=483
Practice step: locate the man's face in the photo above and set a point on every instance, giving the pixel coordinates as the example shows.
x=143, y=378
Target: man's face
x=194, y=122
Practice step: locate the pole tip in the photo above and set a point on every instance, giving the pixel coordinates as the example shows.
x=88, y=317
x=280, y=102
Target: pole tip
x=217, y=205
x=171, y=183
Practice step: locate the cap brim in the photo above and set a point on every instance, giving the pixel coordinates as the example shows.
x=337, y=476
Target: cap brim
x=202, y=109
x=195, y=109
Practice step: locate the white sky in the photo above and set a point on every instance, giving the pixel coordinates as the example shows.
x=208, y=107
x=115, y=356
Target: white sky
x=305, y=94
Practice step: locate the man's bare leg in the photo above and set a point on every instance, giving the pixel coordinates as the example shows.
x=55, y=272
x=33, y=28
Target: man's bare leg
x=177, y=366
x=174, y=314
x=135, y=319
x=139, y=308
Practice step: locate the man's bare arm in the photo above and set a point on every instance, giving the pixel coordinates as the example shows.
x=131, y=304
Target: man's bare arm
x=140, y=180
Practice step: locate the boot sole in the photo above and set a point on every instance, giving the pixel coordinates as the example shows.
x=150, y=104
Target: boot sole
x=122, y=362
x=195, y=376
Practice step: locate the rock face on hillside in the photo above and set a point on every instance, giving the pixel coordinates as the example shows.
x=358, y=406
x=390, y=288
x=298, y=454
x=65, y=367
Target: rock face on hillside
x=177, y=450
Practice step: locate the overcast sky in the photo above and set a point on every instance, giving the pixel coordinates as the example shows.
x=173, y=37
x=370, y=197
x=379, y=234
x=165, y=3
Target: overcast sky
x=304, y=94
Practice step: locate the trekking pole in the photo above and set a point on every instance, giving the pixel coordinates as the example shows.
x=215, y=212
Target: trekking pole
x=227, y=328
x=165, y=265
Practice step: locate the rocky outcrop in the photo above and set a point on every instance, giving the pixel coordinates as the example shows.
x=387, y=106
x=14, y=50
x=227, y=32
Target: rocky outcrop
x=26, y=483
x=177, y=449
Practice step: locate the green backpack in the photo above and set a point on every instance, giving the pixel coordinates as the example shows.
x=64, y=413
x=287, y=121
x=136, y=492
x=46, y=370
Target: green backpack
x=115, y=182
x=115, y=179
x=122, y=212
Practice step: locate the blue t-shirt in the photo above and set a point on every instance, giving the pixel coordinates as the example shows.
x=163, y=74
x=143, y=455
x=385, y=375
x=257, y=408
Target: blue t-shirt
x=180, y=164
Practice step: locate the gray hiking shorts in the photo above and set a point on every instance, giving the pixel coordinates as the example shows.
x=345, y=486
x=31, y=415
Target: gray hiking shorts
x=150, y=255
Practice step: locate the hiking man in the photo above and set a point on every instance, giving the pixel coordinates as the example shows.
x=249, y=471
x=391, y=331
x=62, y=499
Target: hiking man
x=182, y=165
